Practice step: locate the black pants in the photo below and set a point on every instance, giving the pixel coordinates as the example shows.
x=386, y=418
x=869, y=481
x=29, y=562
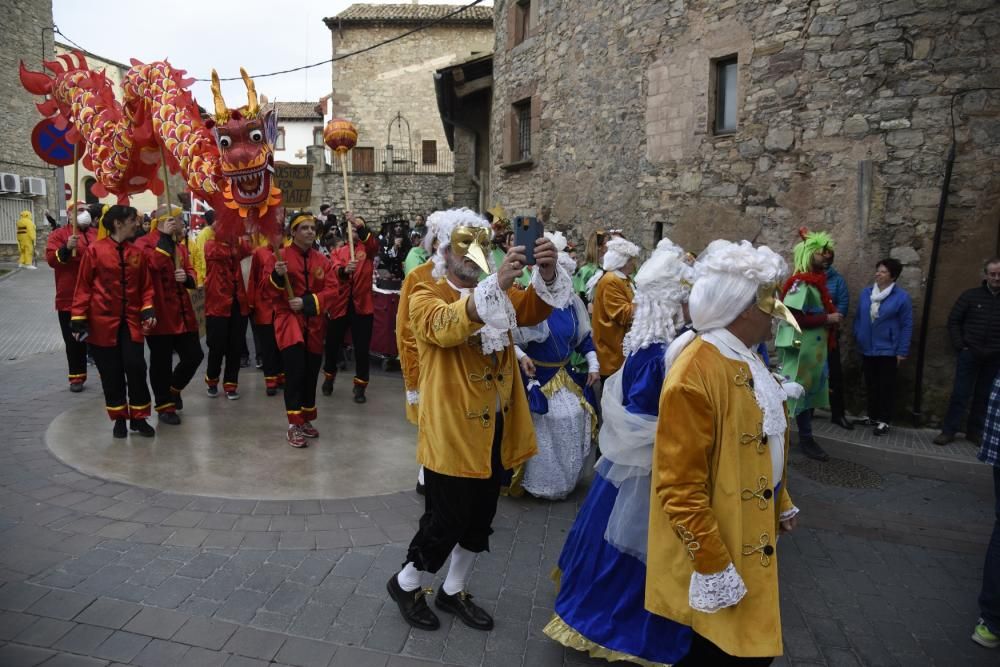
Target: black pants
x=301, y=374
x=704, y=653
x=880, y=383
x=76, y=352
x=123, y=372
x=226, y=338
x=836, y=383
x=361, y=337
x=169, y=380
x=457, y=510
x=270, y=356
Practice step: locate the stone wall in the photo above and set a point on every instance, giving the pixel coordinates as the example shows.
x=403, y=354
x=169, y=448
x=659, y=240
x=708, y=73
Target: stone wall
x=371, y=88
x=376, y=195
x=24, y=39
x=843, y=124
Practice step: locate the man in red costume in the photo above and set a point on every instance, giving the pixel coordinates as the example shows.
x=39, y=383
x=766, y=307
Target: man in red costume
x=299, y=324
x=176, y=328
x=63, y=251
x=356, y=311
x=226, y=310
x=112, y=307
x=262, y=308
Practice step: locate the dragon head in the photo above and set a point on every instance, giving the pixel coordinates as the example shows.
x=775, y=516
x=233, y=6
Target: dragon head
x=246, y=139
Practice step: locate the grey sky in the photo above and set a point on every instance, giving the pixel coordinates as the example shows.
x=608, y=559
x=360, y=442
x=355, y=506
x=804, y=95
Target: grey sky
x=262, y=36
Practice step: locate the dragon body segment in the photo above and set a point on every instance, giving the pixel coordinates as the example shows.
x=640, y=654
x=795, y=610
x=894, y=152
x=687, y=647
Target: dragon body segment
x=227, y=160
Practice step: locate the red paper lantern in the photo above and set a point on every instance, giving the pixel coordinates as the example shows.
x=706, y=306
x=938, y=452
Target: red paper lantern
x=340, y=135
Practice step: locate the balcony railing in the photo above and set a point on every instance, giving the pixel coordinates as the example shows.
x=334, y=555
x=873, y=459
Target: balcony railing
x=363, y=160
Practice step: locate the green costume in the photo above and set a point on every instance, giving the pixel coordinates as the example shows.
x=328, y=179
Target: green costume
x=582, y=277
x=523, y=280
x=414, y=258
x=804, y=363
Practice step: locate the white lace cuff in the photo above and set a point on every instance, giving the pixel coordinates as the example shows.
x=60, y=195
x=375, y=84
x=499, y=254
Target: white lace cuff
x=521, y=354
x=708, y=593
x=559, y=293
x=593, y=365
x=788, y=514
x=412, y=397
x=493, y=305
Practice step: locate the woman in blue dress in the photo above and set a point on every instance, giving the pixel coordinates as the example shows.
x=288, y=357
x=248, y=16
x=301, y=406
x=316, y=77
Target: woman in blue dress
x=561, y=400
x=602, y=572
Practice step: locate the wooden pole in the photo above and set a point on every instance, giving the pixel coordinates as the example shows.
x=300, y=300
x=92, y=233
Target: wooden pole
x=170, y=209
x=347, y=202
x=74, y=195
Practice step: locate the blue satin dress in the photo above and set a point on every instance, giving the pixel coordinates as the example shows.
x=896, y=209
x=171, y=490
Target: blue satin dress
x=600, y=605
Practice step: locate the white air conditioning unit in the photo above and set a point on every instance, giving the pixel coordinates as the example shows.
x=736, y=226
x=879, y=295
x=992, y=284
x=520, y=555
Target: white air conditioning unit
x=10, y=183
x=34, y=186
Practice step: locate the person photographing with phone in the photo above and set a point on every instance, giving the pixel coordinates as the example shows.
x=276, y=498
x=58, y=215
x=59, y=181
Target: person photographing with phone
x=112, y=310
x=480, y=425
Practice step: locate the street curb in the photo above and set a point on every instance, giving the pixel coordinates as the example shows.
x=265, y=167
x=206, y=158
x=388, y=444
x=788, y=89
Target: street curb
x=919, y=465
x=13, y=272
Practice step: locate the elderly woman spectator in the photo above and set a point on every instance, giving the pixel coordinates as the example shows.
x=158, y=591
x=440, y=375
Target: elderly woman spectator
x=883, y=326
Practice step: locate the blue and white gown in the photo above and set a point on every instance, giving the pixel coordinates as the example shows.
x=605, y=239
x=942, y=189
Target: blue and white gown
x=600, y=605
x=566, y=431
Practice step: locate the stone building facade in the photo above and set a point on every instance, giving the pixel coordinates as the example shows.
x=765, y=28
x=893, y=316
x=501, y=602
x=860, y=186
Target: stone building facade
x=27, y=36
x=843, y=121
x=373, y=88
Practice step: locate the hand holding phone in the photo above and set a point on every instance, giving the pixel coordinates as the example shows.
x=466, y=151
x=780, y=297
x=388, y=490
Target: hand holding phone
x=527, y=230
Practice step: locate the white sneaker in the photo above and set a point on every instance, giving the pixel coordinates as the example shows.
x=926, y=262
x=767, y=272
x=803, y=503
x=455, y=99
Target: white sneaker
x=30, y=266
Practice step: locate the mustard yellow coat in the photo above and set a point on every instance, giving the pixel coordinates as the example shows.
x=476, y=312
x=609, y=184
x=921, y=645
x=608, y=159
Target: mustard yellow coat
x=712, y=502
x=405, y=341
x=26, y=239
x=198, y=254
x=461, y=389
x=611, y=319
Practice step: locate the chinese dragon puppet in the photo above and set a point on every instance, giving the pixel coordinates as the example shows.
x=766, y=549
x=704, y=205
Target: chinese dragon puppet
x=227, y=160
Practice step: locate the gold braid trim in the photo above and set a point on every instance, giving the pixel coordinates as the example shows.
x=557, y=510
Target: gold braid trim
x=562, y=380
x=558, y=630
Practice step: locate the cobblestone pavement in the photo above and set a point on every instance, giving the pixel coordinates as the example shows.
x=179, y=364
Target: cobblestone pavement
x=97, y=573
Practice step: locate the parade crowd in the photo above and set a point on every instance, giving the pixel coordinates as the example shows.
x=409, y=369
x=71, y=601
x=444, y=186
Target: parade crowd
x=680, y=373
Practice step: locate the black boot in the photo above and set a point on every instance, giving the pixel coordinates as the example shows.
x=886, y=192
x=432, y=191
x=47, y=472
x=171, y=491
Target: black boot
x=178, y=401
x=142, y=427
x=359, y=394
x=468, y=612
x=327, y=387
x=119, y=431
x=811, y=448
x=171, y=418
x=413, y=606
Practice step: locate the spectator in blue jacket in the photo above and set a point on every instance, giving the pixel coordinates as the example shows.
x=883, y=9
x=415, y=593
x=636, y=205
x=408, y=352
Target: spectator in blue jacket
x=883, y=326
x=837, y=287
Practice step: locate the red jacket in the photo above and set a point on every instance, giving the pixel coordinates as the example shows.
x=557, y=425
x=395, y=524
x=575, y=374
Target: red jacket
x=65, y=264
x=359, y=286
x=313, y=280
x=113, y=283
x=224, y=277
x=171, y=301
x=257, y=294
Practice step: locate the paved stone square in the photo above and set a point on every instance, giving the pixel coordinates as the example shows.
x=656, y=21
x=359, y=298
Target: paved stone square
x=96, y=572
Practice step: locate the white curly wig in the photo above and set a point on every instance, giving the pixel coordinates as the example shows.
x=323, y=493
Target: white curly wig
x=662, y=285
x=441, y=224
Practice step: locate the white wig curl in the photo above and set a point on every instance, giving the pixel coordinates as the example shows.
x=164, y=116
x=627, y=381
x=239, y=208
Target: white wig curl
x=662, y=284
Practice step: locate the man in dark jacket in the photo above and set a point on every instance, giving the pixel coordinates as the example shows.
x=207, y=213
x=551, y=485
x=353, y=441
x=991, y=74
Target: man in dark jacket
x=837, y=286
x=974, y=328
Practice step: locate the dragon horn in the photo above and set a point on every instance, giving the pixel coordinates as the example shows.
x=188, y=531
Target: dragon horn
x=253, y=107
x=221, y=112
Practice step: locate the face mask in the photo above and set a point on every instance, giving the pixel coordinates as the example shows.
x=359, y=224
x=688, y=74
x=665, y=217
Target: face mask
x=768, y=301
x=470, y=242
x=83, y=219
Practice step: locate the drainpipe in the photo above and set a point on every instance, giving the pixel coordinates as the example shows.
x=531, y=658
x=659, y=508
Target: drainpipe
x=929, y=292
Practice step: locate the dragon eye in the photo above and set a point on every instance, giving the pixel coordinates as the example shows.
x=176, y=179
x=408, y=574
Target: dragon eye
x=225, y=141
x=256, y=136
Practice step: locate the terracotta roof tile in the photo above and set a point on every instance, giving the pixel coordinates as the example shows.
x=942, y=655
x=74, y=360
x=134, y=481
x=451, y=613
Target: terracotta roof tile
x=293, y=110
x=410, y=13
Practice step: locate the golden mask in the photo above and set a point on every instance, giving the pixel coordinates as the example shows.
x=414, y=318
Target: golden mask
x=471, y=242
x=769, y=302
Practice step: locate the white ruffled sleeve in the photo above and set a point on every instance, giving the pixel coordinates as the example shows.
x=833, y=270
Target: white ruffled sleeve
x=708, y=593
x=521, y=354
x=493, y=305
x=559, y=293
x=593, y=365
x=412, y=397
x=789, y=513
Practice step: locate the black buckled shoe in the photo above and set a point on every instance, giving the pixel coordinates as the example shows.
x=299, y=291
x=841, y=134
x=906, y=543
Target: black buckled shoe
x=467, y=611
x=171, y=418
x=142, y=427
x=811, y=448
x=413, y=605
